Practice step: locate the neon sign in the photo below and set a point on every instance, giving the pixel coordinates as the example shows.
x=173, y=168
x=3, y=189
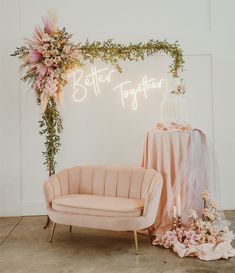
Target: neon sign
x=82, y=82
x=92, y=80
x=143, y=87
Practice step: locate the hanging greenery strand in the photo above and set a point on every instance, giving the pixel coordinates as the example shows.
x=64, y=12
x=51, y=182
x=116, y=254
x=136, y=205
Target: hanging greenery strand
x=51, y=126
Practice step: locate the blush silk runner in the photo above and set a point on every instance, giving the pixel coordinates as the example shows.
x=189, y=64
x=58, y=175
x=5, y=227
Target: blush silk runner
x=180, y=154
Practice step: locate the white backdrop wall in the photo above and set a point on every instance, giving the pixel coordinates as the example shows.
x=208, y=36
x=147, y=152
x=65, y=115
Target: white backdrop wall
x=99, y=130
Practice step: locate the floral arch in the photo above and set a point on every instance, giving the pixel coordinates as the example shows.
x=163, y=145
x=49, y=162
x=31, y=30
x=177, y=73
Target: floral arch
x=49, y=56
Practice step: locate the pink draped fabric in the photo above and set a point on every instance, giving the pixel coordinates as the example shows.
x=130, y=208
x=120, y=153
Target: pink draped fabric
x=206, y=252
x=181, y=156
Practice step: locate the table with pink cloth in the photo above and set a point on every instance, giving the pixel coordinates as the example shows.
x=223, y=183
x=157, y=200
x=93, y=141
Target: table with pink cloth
x=180, y=154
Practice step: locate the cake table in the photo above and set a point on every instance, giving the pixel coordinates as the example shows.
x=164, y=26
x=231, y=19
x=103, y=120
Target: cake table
x=180, y=154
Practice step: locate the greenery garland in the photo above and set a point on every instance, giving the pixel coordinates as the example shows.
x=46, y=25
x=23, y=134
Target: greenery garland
x=110, y=52
x=49, y=57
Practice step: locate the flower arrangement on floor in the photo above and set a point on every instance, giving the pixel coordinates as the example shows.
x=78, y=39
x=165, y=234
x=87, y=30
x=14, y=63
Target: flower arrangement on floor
x=50, y=55
x=207, y=238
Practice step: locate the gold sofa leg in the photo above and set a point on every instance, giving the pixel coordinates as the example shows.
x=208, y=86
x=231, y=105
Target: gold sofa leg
x=70, y=228
x=136, y=243
x=52, y=232
x=150, y=235
x=47, y=222
x=151, y=231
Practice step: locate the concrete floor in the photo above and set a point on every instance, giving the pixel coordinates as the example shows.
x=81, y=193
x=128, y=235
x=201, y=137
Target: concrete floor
x=24, y=248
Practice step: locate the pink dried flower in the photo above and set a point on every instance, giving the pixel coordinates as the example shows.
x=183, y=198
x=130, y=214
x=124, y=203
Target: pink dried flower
x=205, y=212
x=41, y=69
x=37, y=37
x=48, y=62
x=212, y=204
x=74, y=53
x=193, y=214
x=51, y=86
x=57, y=59
x=54, y=52
x=46, y=37
x=211, y=239
x=49, y=26
x=46, y=53
x=34, y=56
x=67, y=49
x=205, y=194
x=45, y=46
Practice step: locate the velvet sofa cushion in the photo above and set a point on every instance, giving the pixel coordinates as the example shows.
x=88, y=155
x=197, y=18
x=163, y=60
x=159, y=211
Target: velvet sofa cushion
x=98, y=205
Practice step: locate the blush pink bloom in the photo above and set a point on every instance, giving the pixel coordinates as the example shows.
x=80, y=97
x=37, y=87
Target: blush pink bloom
x=41, y=73
x=48, y=62
x=42, y=70
x=205, y=194
x=74, y=53
x=51, y=86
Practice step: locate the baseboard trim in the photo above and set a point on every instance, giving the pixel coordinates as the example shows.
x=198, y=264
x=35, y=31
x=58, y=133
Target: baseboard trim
x=33, y=207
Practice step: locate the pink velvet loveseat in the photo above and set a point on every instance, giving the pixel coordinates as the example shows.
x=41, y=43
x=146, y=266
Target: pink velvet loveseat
x=111, y=198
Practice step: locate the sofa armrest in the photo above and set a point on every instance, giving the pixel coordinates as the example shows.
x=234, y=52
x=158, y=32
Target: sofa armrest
x=55, y=186
x=49, y=192
x=153, y=198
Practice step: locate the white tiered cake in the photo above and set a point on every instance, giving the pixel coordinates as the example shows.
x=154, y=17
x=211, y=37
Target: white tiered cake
x=173, y=109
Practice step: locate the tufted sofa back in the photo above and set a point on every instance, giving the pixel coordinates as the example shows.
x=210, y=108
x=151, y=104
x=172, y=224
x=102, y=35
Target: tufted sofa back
x=128, y=182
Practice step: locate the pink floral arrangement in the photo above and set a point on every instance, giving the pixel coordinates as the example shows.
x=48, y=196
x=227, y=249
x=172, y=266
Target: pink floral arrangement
x=47, y=59
x=201, y=235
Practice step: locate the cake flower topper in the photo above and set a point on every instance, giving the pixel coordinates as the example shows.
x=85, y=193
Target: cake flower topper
x=180, y=89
